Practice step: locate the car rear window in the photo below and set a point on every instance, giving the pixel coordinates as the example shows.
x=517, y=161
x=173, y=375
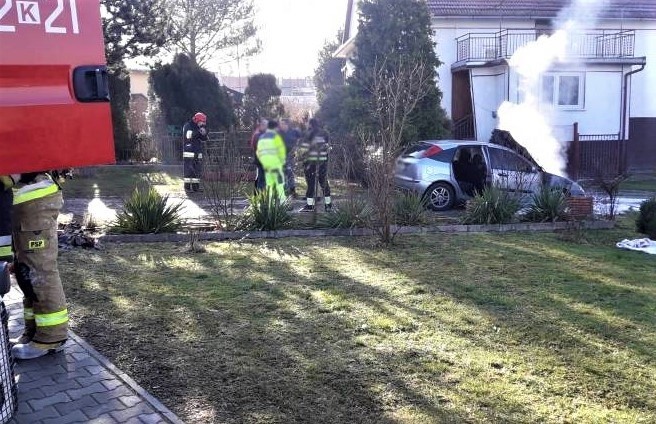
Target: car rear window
x=416, y=150
x=419, y=150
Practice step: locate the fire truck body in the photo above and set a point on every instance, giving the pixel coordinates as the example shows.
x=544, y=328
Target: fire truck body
x=54, y=101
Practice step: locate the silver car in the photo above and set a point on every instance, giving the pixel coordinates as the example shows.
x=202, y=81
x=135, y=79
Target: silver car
x=447, y=172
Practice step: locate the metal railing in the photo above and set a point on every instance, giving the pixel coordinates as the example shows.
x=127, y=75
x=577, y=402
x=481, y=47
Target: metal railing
x=594, y=155
x=601, y=44
x=463, y=129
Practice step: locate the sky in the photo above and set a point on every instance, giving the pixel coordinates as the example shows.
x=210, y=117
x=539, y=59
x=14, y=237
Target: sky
x=292, y=33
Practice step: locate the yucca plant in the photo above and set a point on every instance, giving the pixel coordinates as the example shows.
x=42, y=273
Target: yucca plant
x=409, y=209
x=267, y=212
x=350, y=213
x=148, y=212
x=491, y=206
x=547, y=205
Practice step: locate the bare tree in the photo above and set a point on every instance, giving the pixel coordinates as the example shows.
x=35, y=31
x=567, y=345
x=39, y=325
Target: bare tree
x=203, y=28
x=395, y=93
x=226, y=180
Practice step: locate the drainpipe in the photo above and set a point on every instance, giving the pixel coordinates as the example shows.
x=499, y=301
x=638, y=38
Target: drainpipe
x=625, y=107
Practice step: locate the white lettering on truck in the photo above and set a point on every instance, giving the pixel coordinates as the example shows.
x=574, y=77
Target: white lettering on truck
x=29, y=13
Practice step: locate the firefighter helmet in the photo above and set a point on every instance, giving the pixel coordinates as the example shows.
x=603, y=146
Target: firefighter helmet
x=199, y=117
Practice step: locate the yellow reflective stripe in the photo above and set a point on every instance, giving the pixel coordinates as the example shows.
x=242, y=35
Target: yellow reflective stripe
x=6, y=253
x=35, y=194
x=48, y=320
x=28, y=313
x=6, y=181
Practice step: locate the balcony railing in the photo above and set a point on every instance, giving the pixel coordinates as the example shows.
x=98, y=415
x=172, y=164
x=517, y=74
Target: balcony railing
x=601, y=44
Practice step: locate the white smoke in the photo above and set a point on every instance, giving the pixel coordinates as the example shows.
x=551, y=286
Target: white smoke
x=527, y=121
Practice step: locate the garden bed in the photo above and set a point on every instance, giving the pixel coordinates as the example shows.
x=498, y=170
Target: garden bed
x=244, y=235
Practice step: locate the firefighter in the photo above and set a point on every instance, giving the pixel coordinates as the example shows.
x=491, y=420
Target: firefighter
x=37, y=200
x=272, y=154
x=314, y=152
x=6, y=255
x=291, y=136
x=195, y=134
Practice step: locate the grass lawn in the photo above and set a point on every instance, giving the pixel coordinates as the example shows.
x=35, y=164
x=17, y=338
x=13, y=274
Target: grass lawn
x=119, y=181
x=641, y=182
x=516, y=328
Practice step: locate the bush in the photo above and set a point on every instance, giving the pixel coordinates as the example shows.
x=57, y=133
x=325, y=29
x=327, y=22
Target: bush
x=547, y=205
x=351, y=213
x=409, y=209
x=491, y=206
x=147, y=212
x=646, y=221
x=267, y=212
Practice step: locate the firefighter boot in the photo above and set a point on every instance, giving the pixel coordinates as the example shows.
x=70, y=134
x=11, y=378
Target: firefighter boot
x=33, y=350
x=29, y=331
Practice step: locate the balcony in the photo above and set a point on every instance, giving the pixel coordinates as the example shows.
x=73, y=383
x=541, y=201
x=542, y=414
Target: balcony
x=601, y=45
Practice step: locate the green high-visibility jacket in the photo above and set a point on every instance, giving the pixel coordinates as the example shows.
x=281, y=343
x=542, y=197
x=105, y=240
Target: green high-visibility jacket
x=271, y=150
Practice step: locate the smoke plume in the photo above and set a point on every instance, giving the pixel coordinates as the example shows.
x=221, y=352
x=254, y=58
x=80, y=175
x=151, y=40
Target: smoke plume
x=528, y=121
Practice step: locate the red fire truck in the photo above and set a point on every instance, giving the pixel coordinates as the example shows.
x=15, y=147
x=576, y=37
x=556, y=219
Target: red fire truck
x=54, y=99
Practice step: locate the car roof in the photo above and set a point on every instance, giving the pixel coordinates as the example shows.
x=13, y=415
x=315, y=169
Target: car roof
x=449, y=144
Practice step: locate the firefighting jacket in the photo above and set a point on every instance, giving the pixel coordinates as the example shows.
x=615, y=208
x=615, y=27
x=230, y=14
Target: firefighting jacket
x=315, y=147
x=194, y=137
x=271, y=151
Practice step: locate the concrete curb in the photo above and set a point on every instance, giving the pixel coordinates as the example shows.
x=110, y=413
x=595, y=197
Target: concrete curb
x=355, y=232
x=140, y=391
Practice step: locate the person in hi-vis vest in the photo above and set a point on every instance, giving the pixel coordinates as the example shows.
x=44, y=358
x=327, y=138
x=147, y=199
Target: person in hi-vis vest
x=272, y=154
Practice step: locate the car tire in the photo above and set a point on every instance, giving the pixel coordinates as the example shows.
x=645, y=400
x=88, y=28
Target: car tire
x=440, y=197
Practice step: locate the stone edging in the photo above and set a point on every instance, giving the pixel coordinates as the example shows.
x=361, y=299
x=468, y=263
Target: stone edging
x=246, y=235
x=140, y=391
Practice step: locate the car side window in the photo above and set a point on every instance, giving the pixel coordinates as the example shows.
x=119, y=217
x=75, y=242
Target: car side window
x=508, y=161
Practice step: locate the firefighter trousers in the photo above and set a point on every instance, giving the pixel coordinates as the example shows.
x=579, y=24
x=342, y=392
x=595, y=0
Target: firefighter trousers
x=6, y=200
x=34, y=225
x=314, y=170
x=192, y=171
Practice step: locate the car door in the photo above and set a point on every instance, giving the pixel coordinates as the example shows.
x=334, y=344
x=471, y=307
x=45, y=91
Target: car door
x=513, y=173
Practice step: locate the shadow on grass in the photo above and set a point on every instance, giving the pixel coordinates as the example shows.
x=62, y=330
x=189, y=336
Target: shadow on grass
x=338, y=331
x=257, y=348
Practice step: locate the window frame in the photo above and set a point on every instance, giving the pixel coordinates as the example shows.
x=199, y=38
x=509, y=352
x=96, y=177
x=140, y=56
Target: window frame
x=555, y=95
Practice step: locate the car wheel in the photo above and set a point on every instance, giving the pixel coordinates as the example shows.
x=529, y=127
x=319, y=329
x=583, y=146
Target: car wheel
x=440, y=197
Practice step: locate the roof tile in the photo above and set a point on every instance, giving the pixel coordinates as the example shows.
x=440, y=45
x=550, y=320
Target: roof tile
x=616, y=9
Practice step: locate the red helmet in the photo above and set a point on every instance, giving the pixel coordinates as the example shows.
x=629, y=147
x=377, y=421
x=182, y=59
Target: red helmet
x=199, y=117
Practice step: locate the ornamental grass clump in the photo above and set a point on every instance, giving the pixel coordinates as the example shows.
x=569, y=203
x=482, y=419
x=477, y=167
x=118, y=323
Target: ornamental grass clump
x=547, y=205
x=148, y=212
x=491, y=206
x=268, y=212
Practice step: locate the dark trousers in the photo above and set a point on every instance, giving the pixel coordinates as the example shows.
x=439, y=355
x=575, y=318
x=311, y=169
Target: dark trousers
x=192, y=171
x=316, y=172
x=260, y=177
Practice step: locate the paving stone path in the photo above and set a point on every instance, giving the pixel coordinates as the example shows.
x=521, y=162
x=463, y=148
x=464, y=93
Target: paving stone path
x=78, y=385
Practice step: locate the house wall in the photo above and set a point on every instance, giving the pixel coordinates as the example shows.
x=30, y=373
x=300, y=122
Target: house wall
x=139, y=82
x=489, y=86
x=642, y=105
x=446, y=32
x=643, y=84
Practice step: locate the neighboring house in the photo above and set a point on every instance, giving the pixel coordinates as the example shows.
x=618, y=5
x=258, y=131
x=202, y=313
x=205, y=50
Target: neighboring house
x=139, y=86
x=607, y=83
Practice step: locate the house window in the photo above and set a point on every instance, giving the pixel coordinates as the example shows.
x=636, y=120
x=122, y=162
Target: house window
x=564, y=91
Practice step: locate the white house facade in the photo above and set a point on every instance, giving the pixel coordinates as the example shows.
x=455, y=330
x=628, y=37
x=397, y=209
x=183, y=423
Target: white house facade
x=606, y=83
